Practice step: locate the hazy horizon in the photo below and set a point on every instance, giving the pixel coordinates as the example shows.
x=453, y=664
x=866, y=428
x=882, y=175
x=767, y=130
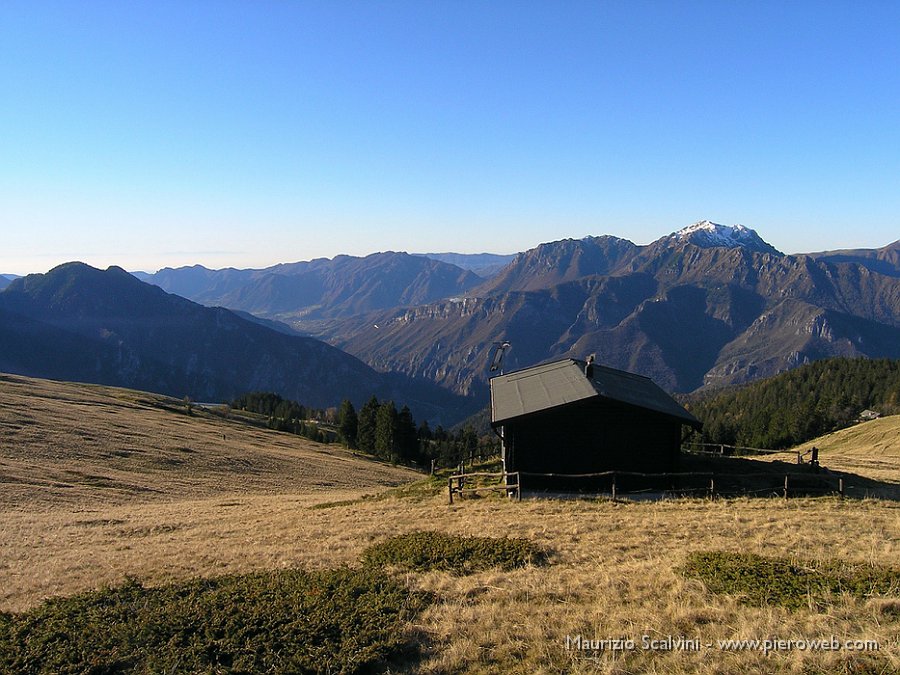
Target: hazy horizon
x=415, y=253
x=151, y=135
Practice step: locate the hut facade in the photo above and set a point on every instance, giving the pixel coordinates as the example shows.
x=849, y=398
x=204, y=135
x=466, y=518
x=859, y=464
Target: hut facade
x=573, y=417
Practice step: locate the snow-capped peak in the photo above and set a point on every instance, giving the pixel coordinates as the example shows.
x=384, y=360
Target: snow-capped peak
x=708, y=234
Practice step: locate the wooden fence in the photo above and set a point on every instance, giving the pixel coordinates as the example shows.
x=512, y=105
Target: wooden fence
x=721, y=448
x=511, y=483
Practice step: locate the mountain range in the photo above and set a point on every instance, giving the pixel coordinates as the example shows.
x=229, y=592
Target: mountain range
x=706, y=306
x=321, y=288
x=107, y=327
x=483, y=264
x=885, y=260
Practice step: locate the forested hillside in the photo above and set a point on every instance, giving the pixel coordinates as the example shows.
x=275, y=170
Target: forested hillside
x=798, y=405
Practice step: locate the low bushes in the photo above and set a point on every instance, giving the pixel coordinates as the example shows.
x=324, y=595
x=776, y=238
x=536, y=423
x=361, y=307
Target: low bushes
x=759, y=580
x=292, y=621
x=337, y=621
x=424, y=551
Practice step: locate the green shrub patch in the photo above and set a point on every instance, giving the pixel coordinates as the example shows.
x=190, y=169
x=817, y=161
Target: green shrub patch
x=424, y=551
x=759, y=580
x=293, y=621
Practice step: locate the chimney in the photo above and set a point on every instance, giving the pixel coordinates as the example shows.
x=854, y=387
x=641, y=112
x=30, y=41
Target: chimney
x=589, y=366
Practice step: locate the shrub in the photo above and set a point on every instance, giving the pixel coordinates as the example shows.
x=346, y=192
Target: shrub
x=424, y=551
x=758, y=580
x=337, y=621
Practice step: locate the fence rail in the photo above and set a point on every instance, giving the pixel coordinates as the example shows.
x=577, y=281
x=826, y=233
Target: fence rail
x=720, y=448
x=511, y=483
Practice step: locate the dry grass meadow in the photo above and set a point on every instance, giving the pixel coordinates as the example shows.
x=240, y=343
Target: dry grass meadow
x=99, y=484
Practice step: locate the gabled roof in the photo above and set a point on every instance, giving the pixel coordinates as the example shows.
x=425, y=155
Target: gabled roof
x=563, y=382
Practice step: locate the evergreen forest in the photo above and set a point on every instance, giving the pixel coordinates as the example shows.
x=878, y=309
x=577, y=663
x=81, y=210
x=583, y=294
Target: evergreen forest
x=800, y=404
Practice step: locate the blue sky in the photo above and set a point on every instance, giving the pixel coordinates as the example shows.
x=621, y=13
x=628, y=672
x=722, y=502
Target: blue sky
x=151, y=134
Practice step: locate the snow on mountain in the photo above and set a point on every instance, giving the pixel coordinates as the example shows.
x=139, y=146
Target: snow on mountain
x=708, y=234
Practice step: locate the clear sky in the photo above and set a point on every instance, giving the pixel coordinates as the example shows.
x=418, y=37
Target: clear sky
x=226, y=133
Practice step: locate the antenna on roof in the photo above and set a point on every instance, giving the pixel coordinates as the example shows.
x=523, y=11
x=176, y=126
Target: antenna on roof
x=499, y=349
x=589, y=366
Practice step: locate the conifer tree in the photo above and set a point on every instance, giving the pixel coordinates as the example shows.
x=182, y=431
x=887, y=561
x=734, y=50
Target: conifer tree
x=348, y=423
x=386, y=432
x=365, y=433
x=407, y=438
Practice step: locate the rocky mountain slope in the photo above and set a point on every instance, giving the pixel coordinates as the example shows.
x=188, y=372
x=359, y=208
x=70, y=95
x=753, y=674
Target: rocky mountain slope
x=885, y=260
x=484, y=265
x=321, y=288
x=704, y=307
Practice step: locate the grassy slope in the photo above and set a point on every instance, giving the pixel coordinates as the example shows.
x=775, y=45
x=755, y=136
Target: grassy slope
x=77, y=444
x=614, y=571
x=870, y=449
x=878, y=438
x=866, y=456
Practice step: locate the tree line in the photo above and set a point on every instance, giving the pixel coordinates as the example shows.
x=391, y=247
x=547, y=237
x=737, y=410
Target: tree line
x=378, y=429
x=285, y=415
x=798, y=405
x=381, y=430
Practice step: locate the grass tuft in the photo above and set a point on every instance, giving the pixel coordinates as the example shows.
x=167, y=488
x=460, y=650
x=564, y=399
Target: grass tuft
x=294, y=621
x=340, y=502
x=416, y=491
x=759, y=580
x=426, y=551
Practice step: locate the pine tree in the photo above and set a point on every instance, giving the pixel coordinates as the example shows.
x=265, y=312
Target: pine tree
x=386, y=432
x=468, y=441
x=407, y=438
x=348, y=423
x=365, y=433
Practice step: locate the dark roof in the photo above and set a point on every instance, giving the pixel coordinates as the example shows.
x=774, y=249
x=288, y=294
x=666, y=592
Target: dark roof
x=563, y=382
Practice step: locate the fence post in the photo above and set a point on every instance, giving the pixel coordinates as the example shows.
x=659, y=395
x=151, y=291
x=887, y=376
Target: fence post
x=712, y=488
x=450, y=488
x=841, y=487
x=432, y=468
x=614, y=486
x=785, y=485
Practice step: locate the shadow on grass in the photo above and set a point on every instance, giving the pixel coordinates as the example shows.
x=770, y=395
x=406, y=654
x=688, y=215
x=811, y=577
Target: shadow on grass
x=713, y=476
x=745, y=476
